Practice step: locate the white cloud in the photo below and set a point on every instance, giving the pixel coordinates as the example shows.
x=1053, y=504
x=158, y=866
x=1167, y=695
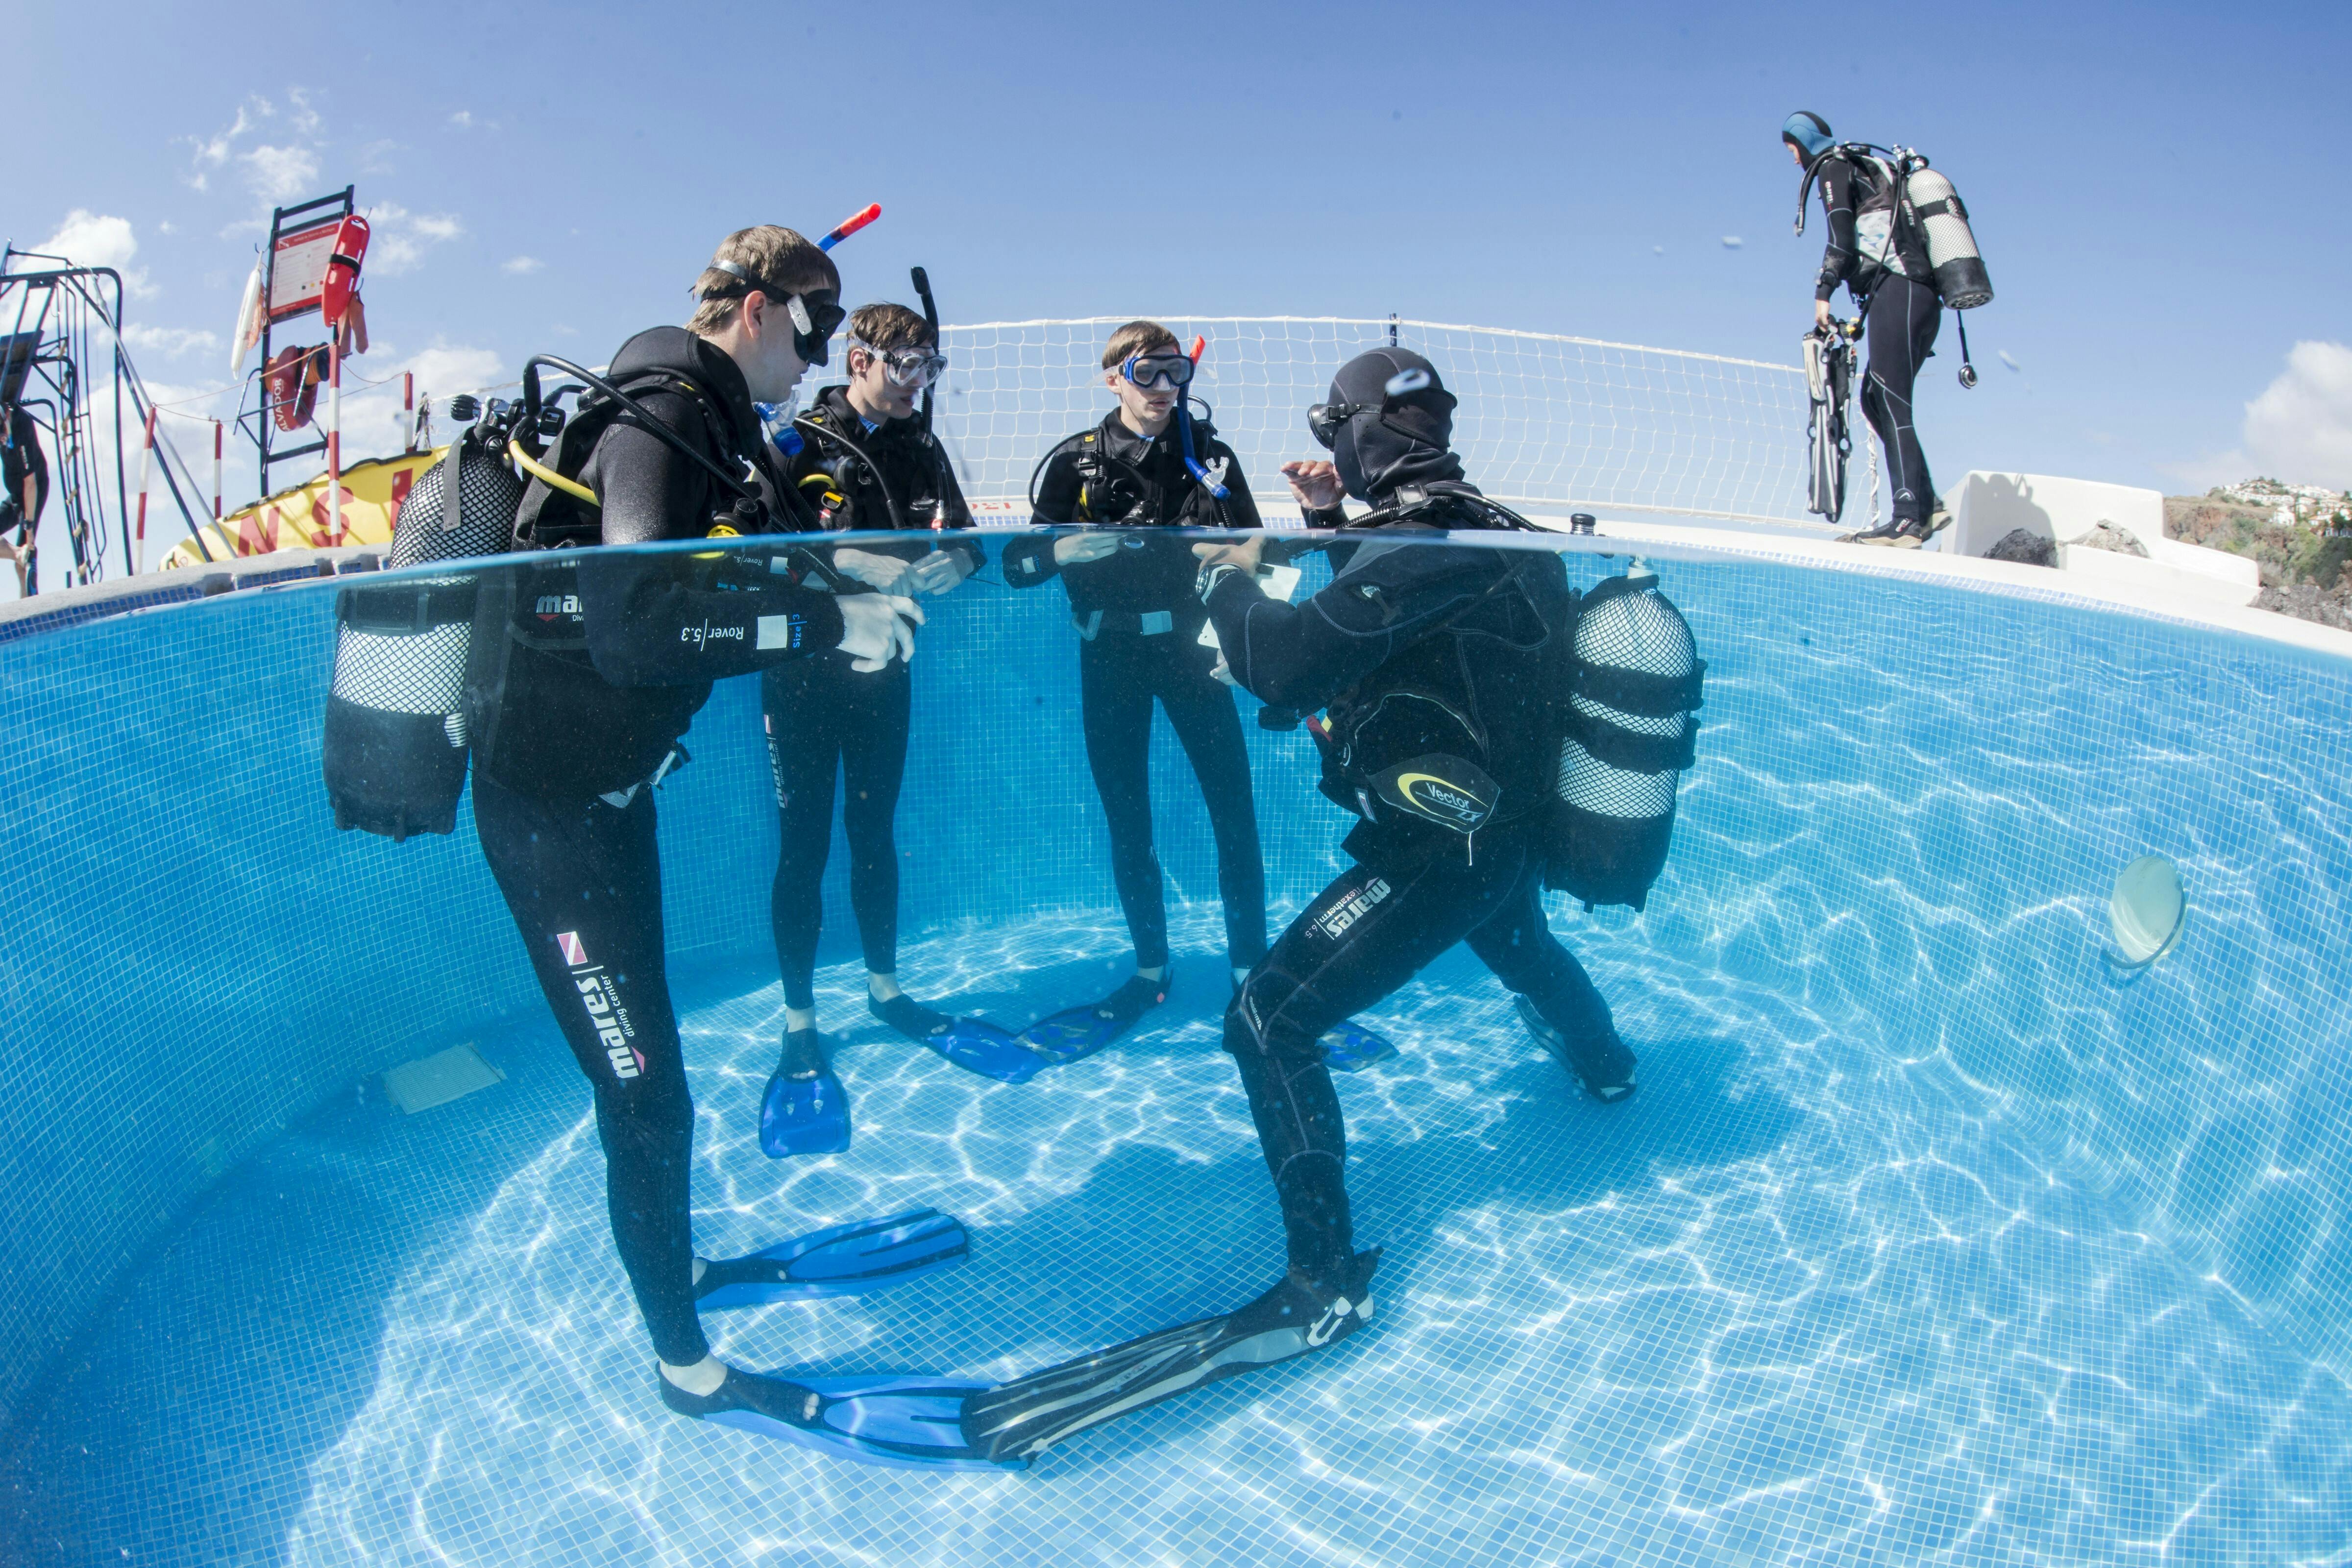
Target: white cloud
x=91, y=239
x=213, y=151
x=170, y=341
x=279, y=174
x=1732, y=242
x=2299, y=430
x=398, y=238
x=521, y=264
x=463, y=120
x=305, y=117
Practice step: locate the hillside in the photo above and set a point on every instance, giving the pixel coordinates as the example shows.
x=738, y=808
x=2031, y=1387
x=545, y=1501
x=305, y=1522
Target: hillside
x=2300, y=535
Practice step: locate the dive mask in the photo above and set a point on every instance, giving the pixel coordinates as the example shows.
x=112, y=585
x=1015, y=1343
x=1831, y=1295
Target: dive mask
x=1163, y=368
x=815, y=317
x=1324, y=420
x=910, y=368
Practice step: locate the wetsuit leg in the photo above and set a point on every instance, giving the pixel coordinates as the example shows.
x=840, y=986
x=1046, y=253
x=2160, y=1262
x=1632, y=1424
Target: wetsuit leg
x=583, y=882
x=873, y=764
x=1201, y=711
x=1517, y=944
x=1904, y=320
x=803, y=704
x=1363, y=936
x=1115, y=706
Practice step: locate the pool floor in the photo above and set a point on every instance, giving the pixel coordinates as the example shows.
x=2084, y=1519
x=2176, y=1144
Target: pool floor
x=1800, y=1301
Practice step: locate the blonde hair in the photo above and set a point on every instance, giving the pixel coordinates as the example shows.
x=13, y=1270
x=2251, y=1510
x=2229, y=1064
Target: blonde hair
x=1137, y=338
x=774, y=258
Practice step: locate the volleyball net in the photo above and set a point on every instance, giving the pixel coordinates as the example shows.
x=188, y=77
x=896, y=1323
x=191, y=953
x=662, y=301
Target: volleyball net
x=1548, y=421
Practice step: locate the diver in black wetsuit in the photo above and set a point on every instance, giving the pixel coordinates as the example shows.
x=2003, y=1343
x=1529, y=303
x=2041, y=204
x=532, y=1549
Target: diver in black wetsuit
x=1130, y=590
x=1439, y=663
x=594, y=667
x=24, y=491
x=824, y=718
x=1876, y=253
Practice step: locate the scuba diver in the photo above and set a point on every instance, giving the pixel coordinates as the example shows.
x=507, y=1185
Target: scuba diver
x=1149, y=465
x=588, y=669
x=869, y=463
x=1875, y=251
x=24, y=491
x=1439, y=663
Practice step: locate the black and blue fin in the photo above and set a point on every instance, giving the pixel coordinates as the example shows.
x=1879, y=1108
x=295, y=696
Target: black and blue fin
x=1030, y=1415
x=841, y=1260
x=1076, y=1033
x=896, y=1422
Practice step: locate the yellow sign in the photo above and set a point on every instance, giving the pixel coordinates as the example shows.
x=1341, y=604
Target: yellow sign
x=299, y=518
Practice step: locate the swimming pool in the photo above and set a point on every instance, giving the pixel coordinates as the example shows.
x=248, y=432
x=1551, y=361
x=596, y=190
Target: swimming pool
x=1927, y=1237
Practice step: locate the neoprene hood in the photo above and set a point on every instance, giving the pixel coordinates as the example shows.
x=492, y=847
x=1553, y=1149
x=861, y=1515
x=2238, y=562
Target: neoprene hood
x=1395, y=440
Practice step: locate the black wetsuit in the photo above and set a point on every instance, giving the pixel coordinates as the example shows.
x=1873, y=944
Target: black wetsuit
x=1140, y=627
x=1883, y=265
x=594, y=667
x=1472, y=630
x=21, y=458
x=825, y=720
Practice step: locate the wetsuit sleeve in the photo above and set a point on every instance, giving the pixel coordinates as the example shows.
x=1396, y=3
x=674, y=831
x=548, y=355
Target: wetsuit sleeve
x=1302, y=655
x=1029, y=562
x=1838, y=206
x=650, y=619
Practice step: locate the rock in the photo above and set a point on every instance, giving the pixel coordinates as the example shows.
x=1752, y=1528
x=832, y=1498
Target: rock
x=2308, y=602
x=2025, y=547
x=2105, y=535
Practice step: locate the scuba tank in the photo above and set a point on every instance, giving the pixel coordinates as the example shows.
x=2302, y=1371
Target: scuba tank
x=395, y=750
x=1960, y=278
x=1629, y=729
x=1926, y=201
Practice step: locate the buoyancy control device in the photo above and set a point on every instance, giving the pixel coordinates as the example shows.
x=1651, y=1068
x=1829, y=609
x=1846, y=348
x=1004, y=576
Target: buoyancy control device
x=1924, y=200
x=1628, y=730
x=394, y=752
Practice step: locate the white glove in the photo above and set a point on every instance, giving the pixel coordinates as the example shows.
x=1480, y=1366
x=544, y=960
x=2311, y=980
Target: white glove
x=876, y=628
x=939, y=571
x=874, y=571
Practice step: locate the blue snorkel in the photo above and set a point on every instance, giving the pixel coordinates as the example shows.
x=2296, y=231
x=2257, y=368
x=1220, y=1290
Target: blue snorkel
x=1184, y=428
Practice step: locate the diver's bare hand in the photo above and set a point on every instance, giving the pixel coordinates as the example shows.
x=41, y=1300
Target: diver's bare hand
x=1316, y=485
x=1242, y=553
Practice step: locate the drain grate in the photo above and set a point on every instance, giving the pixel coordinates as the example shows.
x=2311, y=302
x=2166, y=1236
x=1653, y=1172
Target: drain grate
x=439, y=1078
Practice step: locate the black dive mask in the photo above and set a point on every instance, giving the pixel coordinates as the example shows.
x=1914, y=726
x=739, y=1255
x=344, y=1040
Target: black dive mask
x=815, y=317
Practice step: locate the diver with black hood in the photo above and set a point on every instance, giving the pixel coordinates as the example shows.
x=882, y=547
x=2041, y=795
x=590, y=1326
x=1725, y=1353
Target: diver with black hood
x=588, y=669
x=1438, y=662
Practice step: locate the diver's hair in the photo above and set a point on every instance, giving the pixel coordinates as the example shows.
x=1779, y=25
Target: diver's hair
x=1136, y=337
x=885, y=327
x=778, y=256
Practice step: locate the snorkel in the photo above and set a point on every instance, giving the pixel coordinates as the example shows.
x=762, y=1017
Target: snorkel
x=779, y=418
x=1184, y=426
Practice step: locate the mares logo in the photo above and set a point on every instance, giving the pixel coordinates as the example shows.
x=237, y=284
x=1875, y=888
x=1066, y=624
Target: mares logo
x=706, y=632
x=1332, y=921
x=610, y=1019
x=551, y=605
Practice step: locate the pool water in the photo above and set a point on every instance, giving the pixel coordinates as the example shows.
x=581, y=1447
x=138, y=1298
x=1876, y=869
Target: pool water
x=1929, y=1236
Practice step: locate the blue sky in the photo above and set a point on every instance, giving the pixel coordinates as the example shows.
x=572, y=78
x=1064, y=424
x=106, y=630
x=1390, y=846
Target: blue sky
x=2160, y=192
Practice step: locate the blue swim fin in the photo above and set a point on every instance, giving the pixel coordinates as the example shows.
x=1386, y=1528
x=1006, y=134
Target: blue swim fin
x=1076, y=1033
x=900, y=1423
x=1349, y=1047
x=805, y=1110
x=977, y=1045
x=843, y=1260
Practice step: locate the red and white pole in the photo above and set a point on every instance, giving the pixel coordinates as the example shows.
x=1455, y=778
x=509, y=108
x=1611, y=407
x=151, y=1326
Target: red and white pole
x=335, y=438
x=146, y=477
x=408, y=410
x=216, y=470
